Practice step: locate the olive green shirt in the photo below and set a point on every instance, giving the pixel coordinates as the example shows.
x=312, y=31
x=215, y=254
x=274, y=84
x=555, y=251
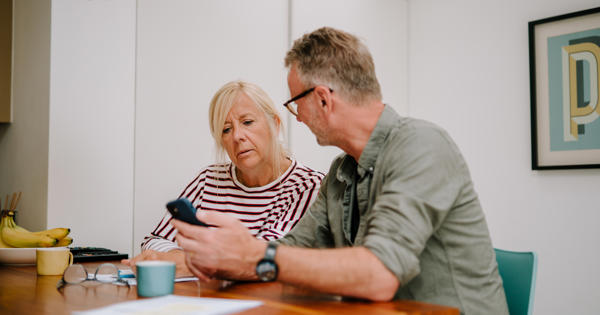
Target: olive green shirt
x=419, y=214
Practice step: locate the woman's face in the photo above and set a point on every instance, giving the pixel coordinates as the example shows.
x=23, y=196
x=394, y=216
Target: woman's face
x=247, y=138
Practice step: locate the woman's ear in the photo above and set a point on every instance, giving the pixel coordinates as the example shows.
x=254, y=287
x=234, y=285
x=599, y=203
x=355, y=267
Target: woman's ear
x=277, y=123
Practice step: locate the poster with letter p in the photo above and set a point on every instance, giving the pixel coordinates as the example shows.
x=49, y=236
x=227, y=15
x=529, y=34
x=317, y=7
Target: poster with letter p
x=564, y=57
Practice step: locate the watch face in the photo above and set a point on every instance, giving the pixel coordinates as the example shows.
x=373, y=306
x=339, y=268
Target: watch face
x=266, y=270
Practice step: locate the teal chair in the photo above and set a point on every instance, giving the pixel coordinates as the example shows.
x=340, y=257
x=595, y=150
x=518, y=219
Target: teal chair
x=518, y=271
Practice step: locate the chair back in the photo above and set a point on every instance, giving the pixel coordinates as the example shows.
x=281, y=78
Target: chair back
x=518, y=271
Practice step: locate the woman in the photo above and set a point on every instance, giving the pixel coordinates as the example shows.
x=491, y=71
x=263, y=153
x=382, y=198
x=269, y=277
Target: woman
x=262, y=186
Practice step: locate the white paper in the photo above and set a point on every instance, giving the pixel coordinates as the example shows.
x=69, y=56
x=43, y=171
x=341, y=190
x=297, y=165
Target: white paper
x=176, y=305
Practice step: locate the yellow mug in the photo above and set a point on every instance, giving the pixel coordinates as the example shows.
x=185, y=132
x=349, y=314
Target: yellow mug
x=53, y=261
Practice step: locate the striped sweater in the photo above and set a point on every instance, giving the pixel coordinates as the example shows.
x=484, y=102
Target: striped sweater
x=269, y=211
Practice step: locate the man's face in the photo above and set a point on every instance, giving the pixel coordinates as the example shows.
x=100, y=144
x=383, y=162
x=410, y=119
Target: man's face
x=309, y=111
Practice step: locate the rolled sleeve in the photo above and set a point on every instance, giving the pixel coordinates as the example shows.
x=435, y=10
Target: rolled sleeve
x=159, y=244
x=415, y=197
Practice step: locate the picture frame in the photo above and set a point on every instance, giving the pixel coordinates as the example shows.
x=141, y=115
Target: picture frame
x=564, y=61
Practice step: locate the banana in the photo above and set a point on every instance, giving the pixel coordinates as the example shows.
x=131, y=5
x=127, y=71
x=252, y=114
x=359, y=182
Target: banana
x=57, y=233
x=16, y=238
x=65, y=241
x=8, y=219
x=2, y=244
x=20, y=228
x=3, y=223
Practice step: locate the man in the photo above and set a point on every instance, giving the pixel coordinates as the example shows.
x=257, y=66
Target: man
x=396, y=217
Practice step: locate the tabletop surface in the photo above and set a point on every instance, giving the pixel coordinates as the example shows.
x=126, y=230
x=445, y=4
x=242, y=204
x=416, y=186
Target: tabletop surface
x=22, y=291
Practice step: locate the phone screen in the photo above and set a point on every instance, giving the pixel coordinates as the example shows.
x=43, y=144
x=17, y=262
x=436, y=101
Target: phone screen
x=182, y=209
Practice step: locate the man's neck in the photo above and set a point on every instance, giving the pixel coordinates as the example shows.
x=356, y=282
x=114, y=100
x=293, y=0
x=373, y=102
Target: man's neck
x=355, y=126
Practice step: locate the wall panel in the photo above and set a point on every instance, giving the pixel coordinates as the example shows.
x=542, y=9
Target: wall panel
x=90, y=159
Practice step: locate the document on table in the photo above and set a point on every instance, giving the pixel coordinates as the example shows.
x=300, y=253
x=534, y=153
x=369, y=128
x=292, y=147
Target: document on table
x=174, y=304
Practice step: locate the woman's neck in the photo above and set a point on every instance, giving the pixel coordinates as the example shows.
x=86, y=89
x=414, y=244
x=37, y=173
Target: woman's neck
x=262, y=177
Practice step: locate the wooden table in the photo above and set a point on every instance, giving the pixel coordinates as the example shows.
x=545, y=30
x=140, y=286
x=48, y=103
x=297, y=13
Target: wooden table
x=22, y=291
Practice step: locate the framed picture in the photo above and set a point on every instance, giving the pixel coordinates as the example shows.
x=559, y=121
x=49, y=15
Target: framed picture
x=564, y=61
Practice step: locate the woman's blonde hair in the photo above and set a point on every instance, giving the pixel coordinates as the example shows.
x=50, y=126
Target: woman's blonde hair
x=223, y=101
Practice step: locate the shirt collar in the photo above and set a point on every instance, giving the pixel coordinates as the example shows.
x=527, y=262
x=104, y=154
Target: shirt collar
x=369, y=155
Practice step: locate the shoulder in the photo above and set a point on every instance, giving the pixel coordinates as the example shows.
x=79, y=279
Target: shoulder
x=303, y=178
x=218, y=168
x=214, y=171
x=302, y=171
x=415, y=134
x=413, y=142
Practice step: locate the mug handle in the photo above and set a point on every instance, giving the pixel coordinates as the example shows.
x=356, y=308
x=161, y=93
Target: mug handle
x=70, y=258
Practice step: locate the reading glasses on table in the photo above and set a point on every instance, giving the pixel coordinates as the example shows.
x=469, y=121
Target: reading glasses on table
x=105, y=273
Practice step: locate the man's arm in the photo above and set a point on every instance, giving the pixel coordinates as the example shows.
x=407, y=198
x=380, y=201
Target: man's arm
x=234, y=253
x=349, y=271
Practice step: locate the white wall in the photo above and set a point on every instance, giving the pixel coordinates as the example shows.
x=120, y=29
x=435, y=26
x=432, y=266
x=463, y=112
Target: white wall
x=468, y=72
x=24, y=142
x=186, y=51
x=90, y=159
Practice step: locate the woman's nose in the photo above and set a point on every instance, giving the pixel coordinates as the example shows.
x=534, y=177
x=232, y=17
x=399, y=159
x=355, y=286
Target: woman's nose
x=238, y=134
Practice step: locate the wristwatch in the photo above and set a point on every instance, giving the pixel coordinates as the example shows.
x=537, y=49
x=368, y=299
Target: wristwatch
x=266, y=268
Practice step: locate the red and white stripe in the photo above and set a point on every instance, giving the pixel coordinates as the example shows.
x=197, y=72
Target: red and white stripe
x=269, y=211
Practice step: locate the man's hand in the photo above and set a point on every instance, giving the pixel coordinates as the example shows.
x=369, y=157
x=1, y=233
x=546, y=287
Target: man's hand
x=227, y=250
x=177, y=256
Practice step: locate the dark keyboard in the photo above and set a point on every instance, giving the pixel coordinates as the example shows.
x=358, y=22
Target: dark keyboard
x=82, y=254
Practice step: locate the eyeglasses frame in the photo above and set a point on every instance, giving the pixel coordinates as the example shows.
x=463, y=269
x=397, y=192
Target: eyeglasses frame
x=119, y=281
x=299, y=96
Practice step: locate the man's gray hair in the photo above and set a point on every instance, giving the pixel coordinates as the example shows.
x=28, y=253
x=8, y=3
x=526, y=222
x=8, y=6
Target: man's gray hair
x=338, y=60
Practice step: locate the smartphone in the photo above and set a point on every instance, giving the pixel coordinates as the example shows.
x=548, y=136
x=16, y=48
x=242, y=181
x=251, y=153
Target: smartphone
x=182, y=209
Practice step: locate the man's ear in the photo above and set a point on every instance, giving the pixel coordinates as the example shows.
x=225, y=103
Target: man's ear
x=324, y=96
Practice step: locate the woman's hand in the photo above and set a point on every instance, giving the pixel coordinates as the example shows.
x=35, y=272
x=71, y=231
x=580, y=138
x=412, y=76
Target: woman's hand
x=227, y=250
x=176, y=255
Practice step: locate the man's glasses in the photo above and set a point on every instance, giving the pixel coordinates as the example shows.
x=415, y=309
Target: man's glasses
x=105, y=273
x=291, y=104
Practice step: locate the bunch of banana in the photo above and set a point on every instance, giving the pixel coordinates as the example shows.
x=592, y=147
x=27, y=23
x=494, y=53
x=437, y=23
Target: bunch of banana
x=12, y=235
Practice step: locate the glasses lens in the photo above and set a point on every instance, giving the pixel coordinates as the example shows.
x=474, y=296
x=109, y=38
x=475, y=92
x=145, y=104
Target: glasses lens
x=293, y=108
x=107, y=273
x=75, y=274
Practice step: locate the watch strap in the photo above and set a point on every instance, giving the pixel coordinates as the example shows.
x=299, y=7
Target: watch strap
x=266, y=268
x=271, y=251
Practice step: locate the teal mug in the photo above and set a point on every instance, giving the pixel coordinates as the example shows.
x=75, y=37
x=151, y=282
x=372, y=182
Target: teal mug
x=155, y=277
